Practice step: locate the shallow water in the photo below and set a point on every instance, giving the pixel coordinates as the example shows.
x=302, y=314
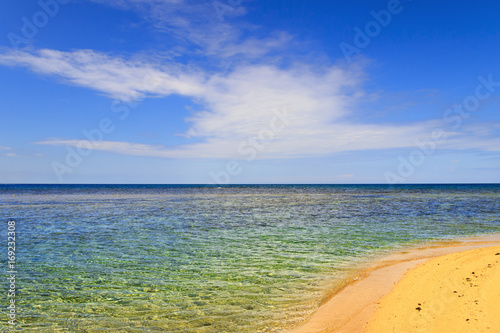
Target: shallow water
x=212, y=259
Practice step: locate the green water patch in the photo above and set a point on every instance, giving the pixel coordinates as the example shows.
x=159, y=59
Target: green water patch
x=214, y=260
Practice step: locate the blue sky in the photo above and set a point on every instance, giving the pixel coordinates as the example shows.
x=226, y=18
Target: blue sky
x=240, y=91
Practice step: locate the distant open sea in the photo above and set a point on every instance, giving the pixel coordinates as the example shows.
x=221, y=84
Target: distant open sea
x=188, y=258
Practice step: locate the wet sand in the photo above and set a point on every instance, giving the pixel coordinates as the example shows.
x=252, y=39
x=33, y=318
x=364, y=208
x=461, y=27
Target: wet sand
x=385, y=297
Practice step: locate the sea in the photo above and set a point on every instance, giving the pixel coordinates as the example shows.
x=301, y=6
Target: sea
x=206, y=259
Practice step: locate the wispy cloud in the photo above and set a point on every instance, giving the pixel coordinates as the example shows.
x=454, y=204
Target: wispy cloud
x=204, y=24
x=284, y=147
x=239, y=104
x=211, y=30
x=126, y=148
x=116, y=77
x=23, y=155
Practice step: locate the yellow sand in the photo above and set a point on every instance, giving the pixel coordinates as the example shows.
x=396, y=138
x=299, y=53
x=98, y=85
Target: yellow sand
x=384, y=298
x=459, y=292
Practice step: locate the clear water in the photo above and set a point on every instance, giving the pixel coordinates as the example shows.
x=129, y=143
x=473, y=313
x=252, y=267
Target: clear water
x=95, y=258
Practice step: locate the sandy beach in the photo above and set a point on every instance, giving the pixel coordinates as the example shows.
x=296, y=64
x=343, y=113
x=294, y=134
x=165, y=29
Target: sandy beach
x=448, y=287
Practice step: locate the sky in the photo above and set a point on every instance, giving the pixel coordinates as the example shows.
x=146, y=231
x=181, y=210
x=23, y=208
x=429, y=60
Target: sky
x=249, y=91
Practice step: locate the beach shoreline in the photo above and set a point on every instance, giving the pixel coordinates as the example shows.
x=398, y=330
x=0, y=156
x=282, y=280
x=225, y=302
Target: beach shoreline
x=352, y=308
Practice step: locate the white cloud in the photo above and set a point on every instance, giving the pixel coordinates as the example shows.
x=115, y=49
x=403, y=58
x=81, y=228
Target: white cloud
x=4, y=148
x=23, y=155
x=126, y=148
x=202, y=23
x=241, y=104
x=350, y=138
x=209, y=29
x=126, y=80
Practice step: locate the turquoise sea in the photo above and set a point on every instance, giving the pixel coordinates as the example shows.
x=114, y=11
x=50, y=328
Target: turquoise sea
x=187, y=258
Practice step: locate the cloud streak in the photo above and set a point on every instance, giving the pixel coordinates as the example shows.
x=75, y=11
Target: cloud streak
x=116, y=77
x=239, y=105
x=282, y=148
x=201, y=26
